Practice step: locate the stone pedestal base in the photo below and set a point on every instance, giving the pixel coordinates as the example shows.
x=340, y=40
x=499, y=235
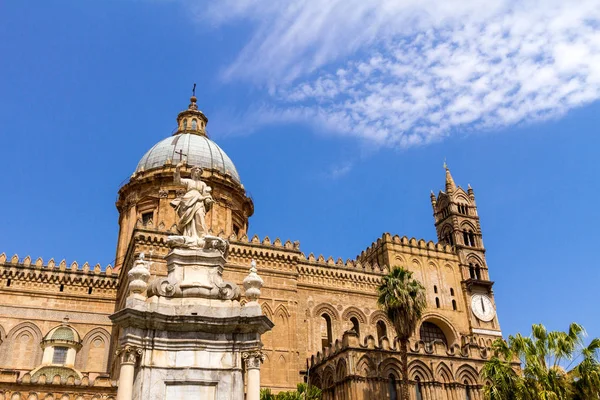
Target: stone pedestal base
x=189, y=348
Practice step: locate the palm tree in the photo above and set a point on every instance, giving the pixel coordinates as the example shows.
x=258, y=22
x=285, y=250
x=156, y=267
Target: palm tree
x=545, y=358
x=403, y=299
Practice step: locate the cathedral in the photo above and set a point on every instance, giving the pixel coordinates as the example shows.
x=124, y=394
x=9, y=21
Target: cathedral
x=58, y=341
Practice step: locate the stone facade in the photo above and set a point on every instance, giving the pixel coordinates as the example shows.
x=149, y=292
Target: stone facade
x=312, y=300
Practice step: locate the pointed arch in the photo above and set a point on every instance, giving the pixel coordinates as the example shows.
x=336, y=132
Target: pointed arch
x=467, y=373
x=266, y=309
x=341, y=370
x=390, y=366
x=281, y=331
x=443, y=373
x=366, y=367
x=24, y=349
x=93, y=356
x=328, y=377
x=418, y=369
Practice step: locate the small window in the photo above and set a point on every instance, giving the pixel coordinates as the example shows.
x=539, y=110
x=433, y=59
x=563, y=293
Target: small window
x=185, y=124
x=465, y=238
x=147, y=218
x=467, y=391
x=437, y=302
x=471, y=271
x=381, y=330
x=326, y=333
x=392, y=387
x=434, y=289
x=8, y=282
x=454, y=305
x=418, y=394
x=62, y=287
x=451, y=292
x=60, y=355
x=478, y=272
x=90, y=290
x=355, y=325
x=194, y=124
x=236, y=230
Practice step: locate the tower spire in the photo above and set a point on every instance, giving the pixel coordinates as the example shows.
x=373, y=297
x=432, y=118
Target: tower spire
x=450, y=185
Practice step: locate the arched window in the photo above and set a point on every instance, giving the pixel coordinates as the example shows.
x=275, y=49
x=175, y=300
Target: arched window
x=477, y=272
x=418, y=394
x=451, y=292
x=326, y=334
x=381, y=330
x=471, y=238
x=185, y=124
x=430, y=332
x=467, y=391
x=465, y=238
x=437, y=302
x=194, y=124
x=392, y=387
x=471, y=271
x=355, y=325
x=454, y=305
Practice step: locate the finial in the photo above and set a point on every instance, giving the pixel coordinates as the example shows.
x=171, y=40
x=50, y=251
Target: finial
x=445, y=164
x=193, y=105
x=252, y=284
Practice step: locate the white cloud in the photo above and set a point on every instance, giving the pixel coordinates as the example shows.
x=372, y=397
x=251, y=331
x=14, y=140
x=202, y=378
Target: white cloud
x=408, y=72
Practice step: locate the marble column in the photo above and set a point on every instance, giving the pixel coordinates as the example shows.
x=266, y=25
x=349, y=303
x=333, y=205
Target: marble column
x=253, y=360
x=128, y=356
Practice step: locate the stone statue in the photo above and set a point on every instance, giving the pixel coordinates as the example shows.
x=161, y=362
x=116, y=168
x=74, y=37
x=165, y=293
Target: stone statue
x=191, y=209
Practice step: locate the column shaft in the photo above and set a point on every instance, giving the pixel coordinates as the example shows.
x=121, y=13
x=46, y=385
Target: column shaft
x=125, y=391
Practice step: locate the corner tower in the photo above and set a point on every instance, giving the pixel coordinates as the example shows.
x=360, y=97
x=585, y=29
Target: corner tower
x=457, y=224
x=145, y=214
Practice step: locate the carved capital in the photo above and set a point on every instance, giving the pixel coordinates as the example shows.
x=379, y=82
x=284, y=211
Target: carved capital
x=253, y=359
x=129, y=354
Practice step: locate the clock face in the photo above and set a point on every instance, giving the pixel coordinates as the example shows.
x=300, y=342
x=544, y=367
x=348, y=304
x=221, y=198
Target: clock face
x=482, y=307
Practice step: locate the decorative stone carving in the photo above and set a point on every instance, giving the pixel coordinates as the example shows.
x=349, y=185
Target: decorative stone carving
x=138, y=276
x=253, y=283
x=253, y=359
x=129, y=354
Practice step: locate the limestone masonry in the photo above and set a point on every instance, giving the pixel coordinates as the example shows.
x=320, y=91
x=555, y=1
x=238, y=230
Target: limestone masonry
x=69, y=331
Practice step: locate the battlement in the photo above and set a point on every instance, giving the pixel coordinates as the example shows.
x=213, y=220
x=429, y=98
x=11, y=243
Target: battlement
x=417, y=244
x=100, y=386
x=26, y=269
x=470, y=348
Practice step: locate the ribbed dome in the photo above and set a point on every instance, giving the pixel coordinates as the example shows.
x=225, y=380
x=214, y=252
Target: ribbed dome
x=62, y=333
x=198, y=150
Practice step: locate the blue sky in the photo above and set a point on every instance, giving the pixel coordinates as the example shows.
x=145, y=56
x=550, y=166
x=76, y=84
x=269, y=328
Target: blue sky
x=338, y=119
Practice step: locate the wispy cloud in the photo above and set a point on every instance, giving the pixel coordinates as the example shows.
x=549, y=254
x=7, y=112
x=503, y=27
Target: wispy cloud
x=338, y=171
x=408, y=72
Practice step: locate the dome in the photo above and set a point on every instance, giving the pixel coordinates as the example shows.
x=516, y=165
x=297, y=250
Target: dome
x=62, y=333
x=198, y=150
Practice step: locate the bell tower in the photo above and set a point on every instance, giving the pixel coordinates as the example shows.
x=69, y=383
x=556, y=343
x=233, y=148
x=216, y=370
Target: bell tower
x=457, y=224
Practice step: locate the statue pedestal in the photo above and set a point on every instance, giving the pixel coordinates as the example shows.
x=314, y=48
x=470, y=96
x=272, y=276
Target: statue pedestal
x=190, y=337
x=188, y=347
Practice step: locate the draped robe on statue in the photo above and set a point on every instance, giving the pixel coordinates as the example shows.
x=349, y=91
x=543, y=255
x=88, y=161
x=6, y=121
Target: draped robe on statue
x=191, y=209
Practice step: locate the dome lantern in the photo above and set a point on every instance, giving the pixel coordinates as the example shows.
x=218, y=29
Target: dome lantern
x=192, y=120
